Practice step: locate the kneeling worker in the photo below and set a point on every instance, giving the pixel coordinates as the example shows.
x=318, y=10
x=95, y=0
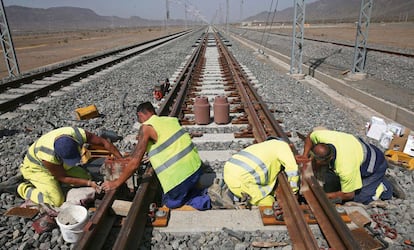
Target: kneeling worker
x=54, y=159
x=253, y=171
x=350, y=168
x=173, y=156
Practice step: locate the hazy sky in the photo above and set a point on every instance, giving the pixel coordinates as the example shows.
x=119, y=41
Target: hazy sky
x=208, y=10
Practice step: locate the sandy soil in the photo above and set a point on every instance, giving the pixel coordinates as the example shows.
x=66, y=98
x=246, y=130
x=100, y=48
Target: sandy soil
x=38, y=50
x=396, y=35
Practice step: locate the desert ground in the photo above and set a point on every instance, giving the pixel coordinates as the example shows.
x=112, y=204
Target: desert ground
x=35, y=51
x=44, y=49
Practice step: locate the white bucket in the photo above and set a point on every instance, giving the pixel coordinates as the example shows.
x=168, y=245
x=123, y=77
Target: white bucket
x=71, y=221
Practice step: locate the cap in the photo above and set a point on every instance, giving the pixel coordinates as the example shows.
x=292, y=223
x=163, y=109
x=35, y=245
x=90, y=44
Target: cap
x=67, y=149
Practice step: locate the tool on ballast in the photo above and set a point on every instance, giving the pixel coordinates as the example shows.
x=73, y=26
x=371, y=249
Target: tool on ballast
x=268, y=244
x=400, y=158
x=234, y=234
x=110, y=135
x=409, y=243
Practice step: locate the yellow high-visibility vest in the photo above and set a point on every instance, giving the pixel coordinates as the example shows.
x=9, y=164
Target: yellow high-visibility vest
x=173, y=157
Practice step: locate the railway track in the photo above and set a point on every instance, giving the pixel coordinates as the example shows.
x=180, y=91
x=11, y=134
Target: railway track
x=26, y=89
x=211, y=74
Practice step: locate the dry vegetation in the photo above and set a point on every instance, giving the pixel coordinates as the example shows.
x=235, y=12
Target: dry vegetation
x=38, y=50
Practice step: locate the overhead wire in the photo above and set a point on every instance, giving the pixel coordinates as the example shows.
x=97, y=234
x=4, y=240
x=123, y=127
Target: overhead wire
x=264, y=30
x=271, y=23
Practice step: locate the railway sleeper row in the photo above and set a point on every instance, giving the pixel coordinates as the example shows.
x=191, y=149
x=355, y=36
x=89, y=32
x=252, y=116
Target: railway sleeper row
x=216, y=143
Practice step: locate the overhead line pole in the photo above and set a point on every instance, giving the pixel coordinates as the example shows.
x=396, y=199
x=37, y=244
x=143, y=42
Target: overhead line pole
x=227, y=16
x=7, y=44
x=361, y=38
x=297, y=37
x=167, y=14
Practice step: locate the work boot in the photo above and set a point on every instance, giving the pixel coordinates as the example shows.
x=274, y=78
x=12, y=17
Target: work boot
x=214, y=191
x=397, y=190
x=228, y=198
x=10, y=186
x=11, y=189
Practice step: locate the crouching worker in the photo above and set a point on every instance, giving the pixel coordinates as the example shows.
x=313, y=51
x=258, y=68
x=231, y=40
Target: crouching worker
x=349, y=168
x=172, y=155
x=54, y=159
x=253, y=171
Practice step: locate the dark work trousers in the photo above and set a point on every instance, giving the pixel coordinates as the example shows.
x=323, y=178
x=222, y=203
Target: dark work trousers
x=187, y=193
x=332, y=183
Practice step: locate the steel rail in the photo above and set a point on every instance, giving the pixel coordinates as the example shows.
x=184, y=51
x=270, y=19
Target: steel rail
x=7, y=105
x=299, y=230
x=15, y=83
x=335, y=231
x=133, y=229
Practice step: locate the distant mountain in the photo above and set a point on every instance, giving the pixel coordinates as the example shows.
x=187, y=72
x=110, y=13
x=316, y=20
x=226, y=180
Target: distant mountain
x=344, y=11
x=71, y=18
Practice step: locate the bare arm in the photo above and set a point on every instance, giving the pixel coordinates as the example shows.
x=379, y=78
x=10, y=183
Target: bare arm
x=96, y=140
x=145, y=134
x=308, y=146
x=60, y=174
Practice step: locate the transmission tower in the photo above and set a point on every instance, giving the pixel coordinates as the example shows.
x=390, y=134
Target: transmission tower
x=362, y=37
x=297, y=37
x=7, y=44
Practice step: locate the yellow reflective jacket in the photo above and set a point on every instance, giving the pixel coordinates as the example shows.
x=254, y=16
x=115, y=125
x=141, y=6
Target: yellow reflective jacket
x=43, y=148
x=254, y=170
x=173, y=157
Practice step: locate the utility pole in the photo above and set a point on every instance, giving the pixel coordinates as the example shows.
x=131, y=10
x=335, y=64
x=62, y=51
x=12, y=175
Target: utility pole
x=241, y=11
x=227, y=16
x=185, y=13
x=167, y=14
x=297, y=38
x=7, y=44
x=361, y=38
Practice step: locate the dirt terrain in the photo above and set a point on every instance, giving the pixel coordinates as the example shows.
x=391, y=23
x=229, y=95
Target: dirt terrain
x=39, y=50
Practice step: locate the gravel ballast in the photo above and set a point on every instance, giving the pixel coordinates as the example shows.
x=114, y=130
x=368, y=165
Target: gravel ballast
x=118, y=91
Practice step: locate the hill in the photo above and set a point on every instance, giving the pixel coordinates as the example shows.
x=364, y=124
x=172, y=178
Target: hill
x=344, y=11
x=23, y=19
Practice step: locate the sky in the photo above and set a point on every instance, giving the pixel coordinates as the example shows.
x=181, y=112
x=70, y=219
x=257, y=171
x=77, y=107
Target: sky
x=210, y=11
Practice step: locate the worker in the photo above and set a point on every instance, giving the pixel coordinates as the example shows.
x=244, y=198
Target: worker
x=157, y=93
x=54, y=159
x=165, y=87
x=253, y=171
x=349, y=168
x=172, y=155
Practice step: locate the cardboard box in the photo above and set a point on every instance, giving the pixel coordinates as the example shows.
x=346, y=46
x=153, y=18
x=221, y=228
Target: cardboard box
x=398, y=142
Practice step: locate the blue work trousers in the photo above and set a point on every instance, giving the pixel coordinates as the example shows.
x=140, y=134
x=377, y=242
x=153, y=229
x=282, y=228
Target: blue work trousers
x=187, y=193
x=370, y=184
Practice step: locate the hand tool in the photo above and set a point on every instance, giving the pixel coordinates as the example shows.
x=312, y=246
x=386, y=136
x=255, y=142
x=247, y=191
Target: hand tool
x=268, y=244
x=236, y=235
x=409, y=243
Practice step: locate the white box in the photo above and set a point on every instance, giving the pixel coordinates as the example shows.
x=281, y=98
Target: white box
x=396, y=128
x=409, y=146
x=386, y=139
x=376, y=128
